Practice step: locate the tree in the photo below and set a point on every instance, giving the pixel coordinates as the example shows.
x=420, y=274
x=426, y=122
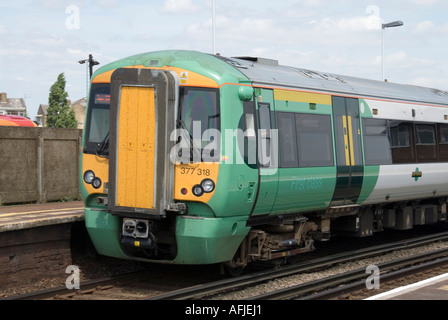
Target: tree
x=59, y=114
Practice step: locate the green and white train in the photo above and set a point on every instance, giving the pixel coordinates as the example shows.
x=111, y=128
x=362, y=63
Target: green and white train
x=191, y=158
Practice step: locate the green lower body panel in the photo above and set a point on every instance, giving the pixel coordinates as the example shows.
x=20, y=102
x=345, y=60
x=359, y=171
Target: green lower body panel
x=199, y=240
x=104, y=230
x=208, y=240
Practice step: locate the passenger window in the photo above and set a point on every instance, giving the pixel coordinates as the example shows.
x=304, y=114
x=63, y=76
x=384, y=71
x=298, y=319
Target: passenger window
x=425, y=139
x=443, y=142
x=306, y=140
x=425, y=134
x=287, y=140
x=314, y=140
x=402, y=141
x=265, y=135
x=443, y=129
x=401, y=136
x=376, y=142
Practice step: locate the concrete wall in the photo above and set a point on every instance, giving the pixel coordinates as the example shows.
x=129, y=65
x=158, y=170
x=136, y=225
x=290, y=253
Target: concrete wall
x=39, y=164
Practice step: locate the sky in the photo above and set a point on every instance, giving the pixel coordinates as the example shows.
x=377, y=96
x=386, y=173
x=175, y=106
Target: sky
x=39, y=39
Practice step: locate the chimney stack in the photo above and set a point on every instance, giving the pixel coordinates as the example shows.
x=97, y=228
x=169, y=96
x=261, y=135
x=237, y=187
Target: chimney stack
x=3, y=97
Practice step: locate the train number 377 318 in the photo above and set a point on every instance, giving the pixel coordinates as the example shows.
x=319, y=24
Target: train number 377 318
x=197, y=171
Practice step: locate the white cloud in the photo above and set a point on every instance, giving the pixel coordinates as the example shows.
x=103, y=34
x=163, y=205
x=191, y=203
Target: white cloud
x=3, y=30
x=425, y=2
x=430, y=82
x=179, y=6
x=354, y=24
x=424, y=27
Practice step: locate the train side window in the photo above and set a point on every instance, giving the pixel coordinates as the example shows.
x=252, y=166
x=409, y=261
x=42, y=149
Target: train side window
x=265, y=135
x=314, y=140
x=443, y=134
x=247, y=142
x=443, y=142
x=425, y=134
x=402, y=142
x=287, y=140
x=400, y=136
x=376, y=142
x=425, y=141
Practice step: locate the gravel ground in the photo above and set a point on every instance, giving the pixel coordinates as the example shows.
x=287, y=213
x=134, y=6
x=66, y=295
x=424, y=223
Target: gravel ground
x=105, y=267
x=338, y=269
x=90, y=269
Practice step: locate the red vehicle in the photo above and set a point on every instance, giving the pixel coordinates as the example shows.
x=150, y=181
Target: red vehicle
x=17, y=121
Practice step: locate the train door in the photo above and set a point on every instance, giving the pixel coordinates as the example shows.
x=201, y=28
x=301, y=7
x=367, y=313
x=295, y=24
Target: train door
x=349, y=157
x=267, y=146
x=142, y=117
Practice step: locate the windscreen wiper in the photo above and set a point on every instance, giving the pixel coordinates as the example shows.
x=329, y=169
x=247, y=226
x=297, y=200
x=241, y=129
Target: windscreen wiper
x=102, y=150
x=194, y=150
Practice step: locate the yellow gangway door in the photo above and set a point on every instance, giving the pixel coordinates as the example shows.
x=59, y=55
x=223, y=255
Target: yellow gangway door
x=136, y=148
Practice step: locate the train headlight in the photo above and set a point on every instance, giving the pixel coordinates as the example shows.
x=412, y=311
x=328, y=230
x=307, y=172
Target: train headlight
x=208, y=185
x=198, y=190
x=96, y=183
x=89, y=176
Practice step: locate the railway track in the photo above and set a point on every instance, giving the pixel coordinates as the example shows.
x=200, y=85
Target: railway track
x=208, y=285
x=346, y=283
x=108, y=288
x=217, y=289
x=131, y=286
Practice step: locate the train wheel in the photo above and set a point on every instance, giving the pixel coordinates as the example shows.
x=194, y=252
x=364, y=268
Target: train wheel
x=293, y=259
x=233, y=271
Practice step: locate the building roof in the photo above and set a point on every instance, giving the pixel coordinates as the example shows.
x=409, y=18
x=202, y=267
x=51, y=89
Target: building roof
x=82, y=102
x=12, y=103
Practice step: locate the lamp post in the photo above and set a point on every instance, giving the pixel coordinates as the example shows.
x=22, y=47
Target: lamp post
x=385, y=26
x=90, y=65
x=214, y=26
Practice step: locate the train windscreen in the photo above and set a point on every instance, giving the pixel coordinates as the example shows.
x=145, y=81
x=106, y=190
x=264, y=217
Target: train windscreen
x=98, y=119
x=199, y=111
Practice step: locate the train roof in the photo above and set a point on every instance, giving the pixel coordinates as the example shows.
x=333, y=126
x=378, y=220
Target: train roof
x=268, y=72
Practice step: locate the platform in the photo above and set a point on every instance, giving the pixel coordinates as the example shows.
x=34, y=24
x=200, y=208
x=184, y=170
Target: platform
x=35, y=241
x=435, y=288
x=37, y=215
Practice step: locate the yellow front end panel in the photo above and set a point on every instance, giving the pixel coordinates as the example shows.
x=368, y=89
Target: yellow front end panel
x=186, y=176
x=136, y=148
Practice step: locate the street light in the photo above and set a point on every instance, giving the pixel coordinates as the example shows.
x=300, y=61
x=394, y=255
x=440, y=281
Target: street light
x=90, y=65
x=385, y=26
x=214, y=26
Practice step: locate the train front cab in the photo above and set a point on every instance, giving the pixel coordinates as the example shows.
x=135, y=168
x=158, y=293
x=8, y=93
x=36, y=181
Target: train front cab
x=126, y=216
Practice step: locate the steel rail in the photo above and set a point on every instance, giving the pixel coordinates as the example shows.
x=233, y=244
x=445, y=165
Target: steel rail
x=63, y=291
x=232, y=284
x=358, y=276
